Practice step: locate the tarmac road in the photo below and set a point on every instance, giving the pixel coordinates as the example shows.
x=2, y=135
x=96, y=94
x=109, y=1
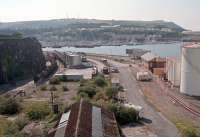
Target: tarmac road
x=156, y=122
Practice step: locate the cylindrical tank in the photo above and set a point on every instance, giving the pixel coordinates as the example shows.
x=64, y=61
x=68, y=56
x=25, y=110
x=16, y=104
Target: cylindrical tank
x=173, y=71
x=190, y=70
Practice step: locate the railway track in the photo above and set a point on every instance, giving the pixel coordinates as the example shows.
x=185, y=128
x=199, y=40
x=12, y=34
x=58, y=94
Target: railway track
x=179, y=101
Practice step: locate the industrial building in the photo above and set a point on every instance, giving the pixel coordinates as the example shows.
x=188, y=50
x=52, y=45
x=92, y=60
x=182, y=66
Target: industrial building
x=173, y=71
x=85, y=120
x=154, y=63
x=70, y=76
x=190, y=70
x=73, y=60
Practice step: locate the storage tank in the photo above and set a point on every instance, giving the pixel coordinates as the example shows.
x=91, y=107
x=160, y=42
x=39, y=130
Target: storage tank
x=173, y=70
x=190, y=70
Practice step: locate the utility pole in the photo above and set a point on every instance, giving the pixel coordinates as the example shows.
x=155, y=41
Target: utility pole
x=52, y=99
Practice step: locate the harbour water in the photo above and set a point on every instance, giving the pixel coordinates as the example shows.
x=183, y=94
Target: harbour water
x=163, y=50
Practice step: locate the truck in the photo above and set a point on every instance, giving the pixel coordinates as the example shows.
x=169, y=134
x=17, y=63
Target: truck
x=105, y=70
x=144, y=76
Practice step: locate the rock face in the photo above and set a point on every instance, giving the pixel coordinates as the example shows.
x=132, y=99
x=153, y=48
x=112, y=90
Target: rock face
x=20, y=57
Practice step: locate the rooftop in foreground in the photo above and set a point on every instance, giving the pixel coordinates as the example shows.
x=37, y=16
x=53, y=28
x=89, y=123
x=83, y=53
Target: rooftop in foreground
x=86, y=120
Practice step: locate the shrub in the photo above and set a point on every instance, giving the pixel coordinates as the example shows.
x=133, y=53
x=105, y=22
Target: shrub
x=21, y=122
x=63, y=78
x=123, y=115
x=89, y=90
x=126, y=115
x=37, y=111
x=192, y=133
x=188, y=130
x=9, y=106
x=54, y=81
x=111, y=92
x=83, y=82
x=100, y=95
x=64, y=88
x=53, y=88
x=100, y=81
x=43, y=87
x=10, y=129
x=83, y=95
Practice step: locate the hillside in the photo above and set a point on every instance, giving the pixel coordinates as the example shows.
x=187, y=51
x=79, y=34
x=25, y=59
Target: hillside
x=92, y=32
x=58, y=23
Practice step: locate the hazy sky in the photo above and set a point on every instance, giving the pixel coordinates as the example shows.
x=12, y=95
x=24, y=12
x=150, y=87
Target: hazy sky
x=183, y=12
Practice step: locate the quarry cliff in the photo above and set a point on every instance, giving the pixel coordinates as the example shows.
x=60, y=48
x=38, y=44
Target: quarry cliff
x=20, y=58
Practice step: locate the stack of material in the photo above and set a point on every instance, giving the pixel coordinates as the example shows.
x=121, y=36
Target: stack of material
x=154, y=63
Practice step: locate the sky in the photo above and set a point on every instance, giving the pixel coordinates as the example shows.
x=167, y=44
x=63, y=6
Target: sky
x=185, y=13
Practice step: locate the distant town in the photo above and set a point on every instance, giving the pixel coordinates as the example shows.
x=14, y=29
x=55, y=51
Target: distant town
x=91, y=32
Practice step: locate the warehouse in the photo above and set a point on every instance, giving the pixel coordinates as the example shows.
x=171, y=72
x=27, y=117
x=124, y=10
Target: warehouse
x=85, y=120
x=154, y=63
x=74, y=60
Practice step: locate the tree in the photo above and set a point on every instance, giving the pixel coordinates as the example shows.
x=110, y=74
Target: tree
x=90, y=90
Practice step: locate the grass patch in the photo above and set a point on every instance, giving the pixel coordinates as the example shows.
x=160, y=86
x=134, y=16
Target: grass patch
x=188, y=130
x=37, y=110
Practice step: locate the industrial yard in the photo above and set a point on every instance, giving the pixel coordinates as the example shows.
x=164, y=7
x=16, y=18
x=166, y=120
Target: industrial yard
x=163, y=92
x=100, y=68
x=156, y=86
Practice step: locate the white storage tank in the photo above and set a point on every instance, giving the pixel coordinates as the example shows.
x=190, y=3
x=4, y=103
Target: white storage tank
x=173, y=71
x=190, y=70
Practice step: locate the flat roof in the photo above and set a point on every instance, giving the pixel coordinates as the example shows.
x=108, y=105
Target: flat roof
x=86, y=73
x=193, y=45
x=149, y=56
